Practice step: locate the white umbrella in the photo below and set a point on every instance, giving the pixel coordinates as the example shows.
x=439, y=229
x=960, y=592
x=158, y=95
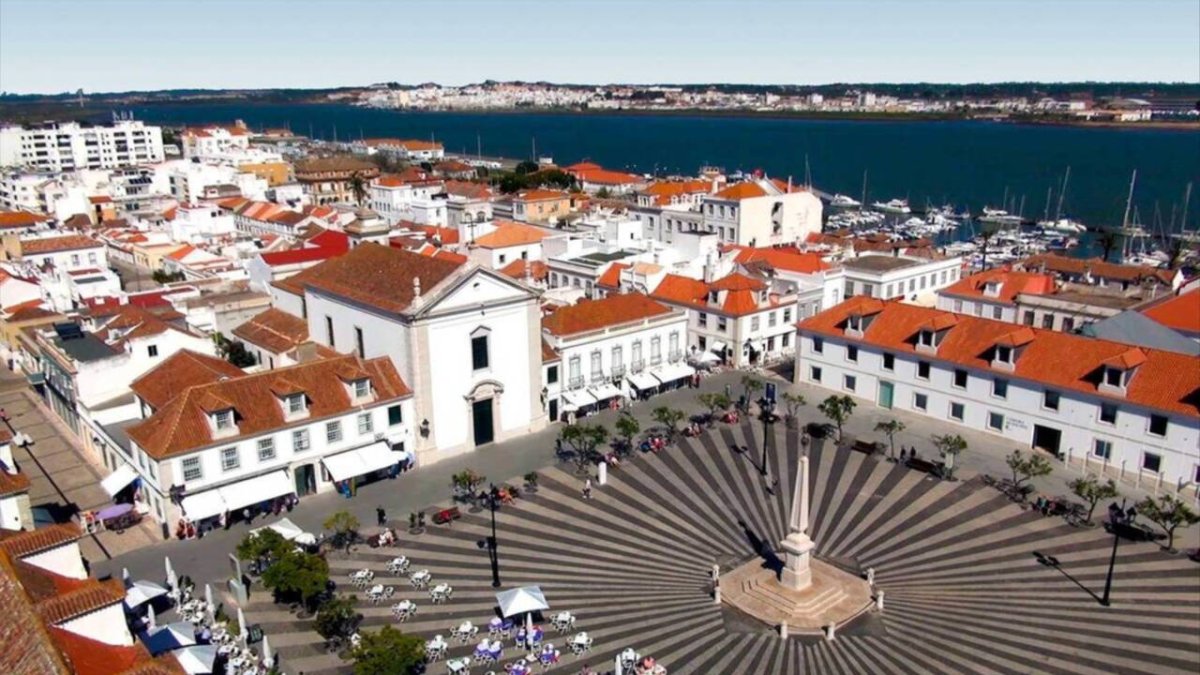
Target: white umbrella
x=267, y=655
x=708, y=357
x=141, y=592
x=167, y=565
x=524, y=600
x=196, y=660
x=243, y=633
x=208, y=599
x=290, y=531
x=151, y=617
x=171, y=636
x=172, y=580
x=125, y=576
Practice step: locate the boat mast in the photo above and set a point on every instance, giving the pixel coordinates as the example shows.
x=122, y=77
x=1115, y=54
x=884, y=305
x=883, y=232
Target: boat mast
x=1062, y=194
x=1125, y=218
x=863, y=204
x=1049, y=195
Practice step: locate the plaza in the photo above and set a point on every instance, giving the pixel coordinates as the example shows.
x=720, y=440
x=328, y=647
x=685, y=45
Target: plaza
x=958, y=563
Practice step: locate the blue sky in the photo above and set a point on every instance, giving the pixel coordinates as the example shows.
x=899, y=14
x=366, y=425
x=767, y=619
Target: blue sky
x=102, y=45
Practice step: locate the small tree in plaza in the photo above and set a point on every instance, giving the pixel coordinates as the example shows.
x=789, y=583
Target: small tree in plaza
x=1025, y=468
x=584, y=439
x=838, y=409
x=298, y=575
x=1092, y=492
x=467, y=482
x=890, y=428
x=715, y=402
x=627, y=427
x=949, y=446
x=337, y=618
x=265, y=544
x=345, y=528
x=388, y=652
x=669, y=418
x=750, y=387
x=791, y=405
x=1169, y=513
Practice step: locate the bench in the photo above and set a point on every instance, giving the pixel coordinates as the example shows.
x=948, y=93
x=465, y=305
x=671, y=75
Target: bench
x=923, y=465
x=447, y=515
x=866, y=447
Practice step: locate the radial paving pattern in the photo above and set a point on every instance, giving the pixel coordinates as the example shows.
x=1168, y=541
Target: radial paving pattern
x=964, y=591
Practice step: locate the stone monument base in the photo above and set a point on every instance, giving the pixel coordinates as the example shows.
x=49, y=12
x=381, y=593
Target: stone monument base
x=834, y=596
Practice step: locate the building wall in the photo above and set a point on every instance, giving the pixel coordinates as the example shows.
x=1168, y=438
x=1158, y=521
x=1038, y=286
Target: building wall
x=107, y=625
x=1078, y=416
x=907, y=282
x=978, y=307
x=65, y=560
x=582, y=347
x=541, y=211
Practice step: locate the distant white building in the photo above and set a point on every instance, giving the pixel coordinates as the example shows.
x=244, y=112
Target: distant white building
x=762, y=212
x=899, y=276
x=70, y=146
x=197, y=223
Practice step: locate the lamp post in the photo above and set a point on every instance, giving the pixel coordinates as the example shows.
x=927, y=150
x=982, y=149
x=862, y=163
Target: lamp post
x=768, y=419
x=1116, y=516
x=493, y=496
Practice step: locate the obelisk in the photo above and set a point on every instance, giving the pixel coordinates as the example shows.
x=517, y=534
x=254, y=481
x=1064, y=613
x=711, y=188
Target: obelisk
x=797, y=547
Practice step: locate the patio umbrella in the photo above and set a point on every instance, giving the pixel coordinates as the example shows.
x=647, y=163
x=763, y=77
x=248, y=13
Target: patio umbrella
x=243, y=633
x=290, y=531
x=524, y=600
x=196, y=660
x=267, y=655
x=113, y=511
x=167, y=565
x=172, y=581
x=208, y=599
x=141, y=592
x=171, y=636
x=125, y=576
x=151, y=617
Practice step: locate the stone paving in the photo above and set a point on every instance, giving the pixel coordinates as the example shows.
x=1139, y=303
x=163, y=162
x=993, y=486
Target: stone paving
x=964, y=590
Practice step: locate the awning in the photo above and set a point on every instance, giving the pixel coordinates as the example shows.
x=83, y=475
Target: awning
x=717, y=347
x=203, y=505
x=288, y=530
x=578, y=398
x=669, y=372
x=643, y=380
x=604, y=391
x=258, y=489
x=118, y=480
x=361, y=461
x=521, y=601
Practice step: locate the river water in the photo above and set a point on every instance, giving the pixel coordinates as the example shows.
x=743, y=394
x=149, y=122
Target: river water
x=966, y=163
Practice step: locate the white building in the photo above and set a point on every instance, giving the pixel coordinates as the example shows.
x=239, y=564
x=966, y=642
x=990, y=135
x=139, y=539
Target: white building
x=508, y=241
x=198, y=223
x=214, y=142
x=467, y=338
x=63, y=253
x=69, y=146
x=399, y=198
x=622, y=346
x=762, y=212
x=993, y=294
x=898, y=276
x=1124, y=410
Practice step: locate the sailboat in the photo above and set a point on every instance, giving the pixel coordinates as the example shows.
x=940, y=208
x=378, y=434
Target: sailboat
x=1061, y=224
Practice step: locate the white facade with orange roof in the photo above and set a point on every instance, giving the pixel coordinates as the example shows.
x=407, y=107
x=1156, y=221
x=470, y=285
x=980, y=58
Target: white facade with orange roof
x=762, y=212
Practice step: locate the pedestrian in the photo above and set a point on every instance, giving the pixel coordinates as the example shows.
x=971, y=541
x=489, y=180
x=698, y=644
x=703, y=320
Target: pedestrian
x=380, y=516
x=903, y=454
x=246, y=514
x=587, y=489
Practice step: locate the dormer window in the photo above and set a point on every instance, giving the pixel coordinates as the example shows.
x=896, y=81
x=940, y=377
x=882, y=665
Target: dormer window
x=296, y=404
x=926, y=338
x=1114, y=377
x=1004, y=354
x=991, y=289
x=223, y=420
x=362, y=388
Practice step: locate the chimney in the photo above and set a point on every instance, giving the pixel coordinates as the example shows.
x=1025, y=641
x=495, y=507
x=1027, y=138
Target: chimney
x=306, y=351
x=709, y=264
x=714, y=186
x=416, y=290
x=528, y=272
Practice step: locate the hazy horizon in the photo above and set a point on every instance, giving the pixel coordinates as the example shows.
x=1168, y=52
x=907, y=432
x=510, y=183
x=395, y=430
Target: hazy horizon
x=57, y=46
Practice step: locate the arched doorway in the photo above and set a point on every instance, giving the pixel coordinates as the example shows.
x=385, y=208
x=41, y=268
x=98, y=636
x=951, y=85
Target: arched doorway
x=483, y=404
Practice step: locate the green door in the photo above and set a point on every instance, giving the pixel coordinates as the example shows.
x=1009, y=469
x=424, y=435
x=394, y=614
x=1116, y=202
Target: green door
x=885, y=394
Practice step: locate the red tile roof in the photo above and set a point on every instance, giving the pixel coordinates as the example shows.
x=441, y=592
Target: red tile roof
x=516, y=269
x=786, y=259
x=1061, y=360
x=612, y=276
x=379, y=276
x=13, y=483
x=508, y=233
x=467, y=189
x=179, y=371
x=444, y=235
x=737, y=293
x=602, y=176
x=328, y=244
x=91, y=596
x=92, y=657
x=183, y=425
x=23, y=543
x=1011, y=283
x=70, y=242
x=539, y=195
x=1097, y=268
x=591, y=315
x=664, y=191
x=25, y=644
x=1181, y=312
x=20, y=219
x=275, y=330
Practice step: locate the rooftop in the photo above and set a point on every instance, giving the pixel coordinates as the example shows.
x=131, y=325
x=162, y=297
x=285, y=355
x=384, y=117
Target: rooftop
x=591, y=315
x=179, y=371
x=275, y=330
x=1181, y=312
x=879, y=263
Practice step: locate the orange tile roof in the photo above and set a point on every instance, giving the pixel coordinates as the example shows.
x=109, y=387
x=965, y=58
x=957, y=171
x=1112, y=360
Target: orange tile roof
x=1060, y=360
x=182, y=425
x=13, y=483
x=275, y=330
x=1181, y=312
x=737, y=282
x=179, y=371
x=415, y=145
x=786, y=259
x=602, y=176
x=583, y=166
x=25, y=643
x=612, y=276
x=664, y=191
x=92, y=657
x=17, y=219
x=538, y=270
x=539, y=195
x=508, y=233
x=21, y=543
x=1011, y=284
x=445, y=235
x=379, y=276
x=183, y=252
x=548, y=353
x=91, y=596
x=586, y=315
x=467, y=189
x=1096, y=267
x=70, y=242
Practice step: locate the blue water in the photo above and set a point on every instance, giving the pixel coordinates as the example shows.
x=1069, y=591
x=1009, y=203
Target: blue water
x=966, y=163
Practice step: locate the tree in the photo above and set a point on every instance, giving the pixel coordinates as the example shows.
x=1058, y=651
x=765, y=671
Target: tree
x=265, y=543
x=628, y=427
x=1093, y=492
x=603, y=193
x=584, y=439
x=233, y=351
x=949, y=446
x=1025, y=468
x=838, y=409
x=890, y=428
x=1168, y=512
x=527, y=166
x=715, y=401
x=388, y=652
x=669, y=418
x=337, y=618
x=986, y=233
x=750, y=387
x=358, y=187
x=1107, y=241
x=345, y=528
x=792, y=404
x=510, y=183
x=297, y=574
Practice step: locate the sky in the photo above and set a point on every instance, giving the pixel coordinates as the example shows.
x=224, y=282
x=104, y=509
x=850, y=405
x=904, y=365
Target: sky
x=50, y=46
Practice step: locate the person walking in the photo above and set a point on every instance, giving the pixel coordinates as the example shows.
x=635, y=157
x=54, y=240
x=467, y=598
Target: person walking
x=587, y=489
x=380, y=516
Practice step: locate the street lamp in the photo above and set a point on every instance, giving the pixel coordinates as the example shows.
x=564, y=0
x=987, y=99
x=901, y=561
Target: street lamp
x=768, y=419
x=1116, y=517
x=493, y=498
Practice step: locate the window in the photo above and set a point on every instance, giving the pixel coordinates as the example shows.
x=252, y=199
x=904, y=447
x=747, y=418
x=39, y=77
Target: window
x=923, y=370
x=787, y=315
x=814, y=373
x=957, y=411
x=997, y=312
x=300, y=440
x=333, y=431
x=329, y=330
x=672, y=344
x=266, y=449
x=925, y=338
x=396, y=415
x=365, y=424
x=152, y=350
x=849, y=382
x=224, y=419
x=1151, y=461
x=786, y=340
x=889, y=361
x=852, y=353
x=192, y=469
x=597, y=371
x=1102, y=448
x=1048, y=321
x=920, y=401
x=1068, y=324
x=1004, y=354
x=958, y=304
x=479, y=352
x=721, y=324
x=1028, y=318
x=230, y=459
x=818, y=345
x=362, y=388
x=960, y=379
x=358, y=342
x=655, y=350
x=1112, y=377
x=753, y=323
x=551, y=375
x=1108, y=413
x=849, y=289
x=1000, y=388
x=702, y=320
x=1050, y=399
x=995, y=421
x=295, y=404
x=1158, y=425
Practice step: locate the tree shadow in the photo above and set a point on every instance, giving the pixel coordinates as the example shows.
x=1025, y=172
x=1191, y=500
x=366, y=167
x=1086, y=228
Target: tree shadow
x=1052, y=562
x=762, y=549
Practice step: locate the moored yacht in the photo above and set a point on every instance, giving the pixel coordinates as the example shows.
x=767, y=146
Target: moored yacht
x=899, y=206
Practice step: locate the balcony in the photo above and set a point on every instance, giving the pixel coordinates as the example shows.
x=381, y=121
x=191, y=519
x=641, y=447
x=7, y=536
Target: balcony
x=637, y=366
x=675, y=356
x=576, y=382
x=655, y=359
x=618, y=371
x=598, y=377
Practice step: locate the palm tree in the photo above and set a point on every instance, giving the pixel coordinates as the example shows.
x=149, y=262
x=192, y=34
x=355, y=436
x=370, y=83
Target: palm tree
x=890, y=428
x=1107, y=241
x=358, y=186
